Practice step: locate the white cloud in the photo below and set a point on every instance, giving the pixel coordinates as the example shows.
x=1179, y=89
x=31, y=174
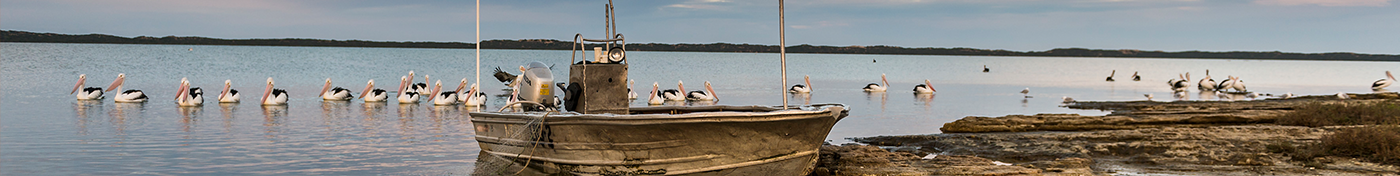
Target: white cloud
x=1334, y=3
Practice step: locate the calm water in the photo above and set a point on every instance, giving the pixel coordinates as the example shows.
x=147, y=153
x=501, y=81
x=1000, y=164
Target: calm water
x=43, y=130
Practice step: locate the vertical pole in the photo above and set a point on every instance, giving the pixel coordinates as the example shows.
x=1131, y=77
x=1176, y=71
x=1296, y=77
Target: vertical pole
x=478, y=42
x=782, y=50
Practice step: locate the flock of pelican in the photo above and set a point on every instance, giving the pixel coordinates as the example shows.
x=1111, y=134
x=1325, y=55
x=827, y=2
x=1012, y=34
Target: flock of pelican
x=1231, y=84
x=408, y=92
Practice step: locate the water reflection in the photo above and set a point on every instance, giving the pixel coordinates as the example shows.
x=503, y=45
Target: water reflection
x=188, y=114
x=884, y=98
x=273, y=115
x=227, y=110
x=82, y=111
x=927, y=99
x=805, y=97
x=374, y=109
x=119, y=115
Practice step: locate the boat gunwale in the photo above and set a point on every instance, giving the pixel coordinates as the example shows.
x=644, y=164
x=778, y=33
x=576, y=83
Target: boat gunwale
x=721, y=116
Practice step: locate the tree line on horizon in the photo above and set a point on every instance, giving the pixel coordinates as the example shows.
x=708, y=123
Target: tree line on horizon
x=550, y=44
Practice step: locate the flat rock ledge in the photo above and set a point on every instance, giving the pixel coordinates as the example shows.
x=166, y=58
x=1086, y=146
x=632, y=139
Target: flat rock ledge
x=1152, y=114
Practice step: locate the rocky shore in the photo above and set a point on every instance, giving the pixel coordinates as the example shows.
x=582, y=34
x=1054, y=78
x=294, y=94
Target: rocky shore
x=1137, y=137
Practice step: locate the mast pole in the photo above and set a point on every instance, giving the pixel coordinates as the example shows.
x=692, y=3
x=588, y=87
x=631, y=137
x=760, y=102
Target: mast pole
x=478, y=42
x=782, y=50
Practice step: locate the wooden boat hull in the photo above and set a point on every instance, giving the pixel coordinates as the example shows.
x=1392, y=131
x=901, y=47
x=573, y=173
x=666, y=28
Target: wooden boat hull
x=668, y=140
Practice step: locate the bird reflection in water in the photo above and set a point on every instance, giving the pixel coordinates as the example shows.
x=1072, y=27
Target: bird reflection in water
x=272, y=120
x=81, y=109
x=373, y=110
x=884, y=98
x=1206, y=95
x=406, y=114
x=188, y=116
x=119, y=115
x=227, y=109
x=805, y=97
x=927, y=99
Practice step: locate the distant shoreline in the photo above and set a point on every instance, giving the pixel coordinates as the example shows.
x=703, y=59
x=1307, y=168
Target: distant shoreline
x=550, y=44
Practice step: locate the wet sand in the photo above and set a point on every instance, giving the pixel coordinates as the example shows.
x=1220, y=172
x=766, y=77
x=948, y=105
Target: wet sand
x=1138, y=137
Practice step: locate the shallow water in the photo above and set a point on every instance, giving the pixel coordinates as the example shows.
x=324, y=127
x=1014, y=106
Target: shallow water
x=43, y=130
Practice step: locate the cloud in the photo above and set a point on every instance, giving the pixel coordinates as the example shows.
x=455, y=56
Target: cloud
x=1331, y=3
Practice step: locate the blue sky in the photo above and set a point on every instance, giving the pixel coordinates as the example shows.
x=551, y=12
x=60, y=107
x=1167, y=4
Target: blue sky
x=1365, y=26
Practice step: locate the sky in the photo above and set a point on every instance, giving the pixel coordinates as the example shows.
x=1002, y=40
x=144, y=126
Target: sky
x=1307, y=26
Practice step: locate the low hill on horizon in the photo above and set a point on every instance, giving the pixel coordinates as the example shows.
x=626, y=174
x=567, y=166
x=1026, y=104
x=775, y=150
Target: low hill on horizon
x=551, y=44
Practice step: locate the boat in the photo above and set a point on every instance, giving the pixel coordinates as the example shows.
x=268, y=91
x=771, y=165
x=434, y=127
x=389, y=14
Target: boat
x=593, y=131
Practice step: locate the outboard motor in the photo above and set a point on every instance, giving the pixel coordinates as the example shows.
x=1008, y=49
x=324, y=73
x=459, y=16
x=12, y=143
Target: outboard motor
x=537, y=85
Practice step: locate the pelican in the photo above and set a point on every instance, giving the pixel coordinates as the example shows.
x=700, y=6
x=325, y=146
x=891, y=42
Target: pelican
x=422, y=87
x=442, y=98
x=273, y=96
x=655, y=98
x=700, y=95
x=335, y=94
x=228, y=95
x=1067, y=100
x=802, y=88
x=474, y=97
x=1286, y=95
x=1136, y=77
x=926, y=88
x=1381, y=84
x=1179, y=85
x=1226, y=84
x=1110, y=75
x=872, y=87
x=1026, y=92
x=127, y=96
x=406, y=95
x=985, y=69
x=370, y=94
x=505, y=78
x=630, y=94
x=1238, y=84
x=1343, y=95
x=462, y=96
x=1206, y=84
x=89, y=93
x=187, y=96
x=673, y=94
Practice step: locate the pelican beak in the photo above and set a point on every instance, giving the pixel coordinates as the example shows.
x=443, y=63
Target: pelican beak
x=807, y=79
x=461, y=86
x=180, y=94
x=267, y=91
x=368, y=86
x=681, y=85
x=325, y=88
x=1387, y=74
x=410, y=76
x=930, y=85
x=886, y=81
x=712, y=90
x=403, y=83
x=224, y=92
x=121, y=78
x=654, y=88
x=436, y=87
x=83, y=78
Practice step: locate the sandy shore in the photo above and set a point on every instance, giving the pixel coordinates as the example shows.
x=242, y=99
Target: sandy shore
x=1138, y=137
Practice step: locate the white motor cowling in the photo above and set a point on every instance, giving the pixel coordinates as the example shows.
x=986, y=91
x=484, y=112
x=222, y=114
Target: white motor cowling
x=537, y=85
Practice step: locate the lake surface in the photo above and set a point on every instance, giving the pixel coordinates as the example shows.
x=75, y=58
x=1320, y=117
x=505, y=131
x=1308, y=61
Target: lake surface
x=45, y=131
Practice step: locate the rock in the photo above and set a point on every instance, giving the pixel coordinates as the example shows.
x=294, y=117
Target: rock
x=871, y=160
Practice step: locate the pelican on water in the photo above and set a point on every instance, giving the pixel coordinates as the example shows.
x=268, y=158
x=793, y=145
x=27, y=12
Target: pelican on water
x=655, y=98
x=474, y=97
x=873, y=87
x=89, y=93
x=1026, y=92
x=802, y=88
x=700, y=95
x=1110, y=75
x=985, y=69
x=1136, y=77
x=1180, y=85
x=673, y=94
x=273, y=96
x=127, y=96
x=630, y=94
x=442, y=98
x=1206, y=84
x=1237, y=84
x=187, y=96
x=1381, y=84
x=406, y=95
x=335, y=94
x=370, y=94
x=926, y=88
x=228, y=95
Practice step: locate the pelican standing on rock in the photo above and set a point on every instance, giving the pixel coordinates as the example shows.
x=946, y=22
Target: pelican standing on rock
x=370, y=94
x=925, y=88
x=1381, y=84
x=273, y=96
x=873, y=87
x=1206, y=84
x=802, y=88
x=655, y=98
x=405, y=94
x=1237, y=84
x=1110, y=75
x=335, y=94
x=228, y=95
x=127, y=96
x=89, y=93
x=187, y=96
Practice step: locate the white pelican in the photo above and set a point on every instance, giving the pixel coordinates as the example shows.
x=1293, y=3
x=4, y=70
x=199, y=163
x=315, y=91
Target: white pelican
x=1226, y=84
x=1110, y=75
x=655, y=98
x=127, y=96
x=228, y=95
x=1237, y=84
x=1136, y=77
x=406, y=95
x=370, y=94
x=802, y=88
x=335, y=94
x=1067, y=100
x=985, y=69
x=630, y=94
x=187, y=96
x=673, y=94
x=419, y=88
x=273, y=96
x=1026, y=92
x=442, y=98
x=89, y=93
x=701, y=95
x=872, y=87
x=474, y=97
x=1179, y=85
x=1381, y=84
x=926, y=88
x=1206, y=84
x=461, y=96
x=1286, y=95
